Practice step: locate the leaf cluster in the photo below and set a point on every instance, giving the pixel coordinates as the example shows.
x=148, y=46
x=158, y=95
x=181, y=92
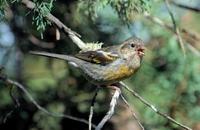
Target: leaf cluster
x=42, y=8
x=124, y=8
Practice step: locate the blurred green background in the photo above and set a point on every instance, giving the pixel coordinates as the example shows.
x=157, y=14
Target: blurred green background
x=166, y=78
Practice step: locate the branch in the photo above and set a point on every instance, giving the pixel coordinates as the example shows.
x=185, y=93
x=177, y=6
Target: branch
x=194, y=50
x=111, y=111
x=184, y=31
x=170, y=27
x=176, y=29
x=197, y=10
x=22, y=88
x=75, y=37
x=40, y=43
x=16, y=104
x=152, y=107
x=133, y=113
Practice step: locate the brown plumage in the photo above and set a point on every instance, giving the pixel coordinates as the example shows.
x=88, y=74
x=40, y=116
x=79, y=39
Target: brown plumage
x=107, y=65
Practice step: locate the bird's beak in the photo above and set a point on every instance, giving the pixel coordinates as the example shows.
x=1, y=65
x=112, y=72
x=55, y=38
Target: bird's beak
x=140, y=50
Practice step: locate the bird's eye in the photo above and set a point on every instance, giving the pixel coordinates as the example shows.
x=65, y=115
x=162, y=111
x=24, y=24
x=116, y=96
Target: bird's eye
x=132, y=45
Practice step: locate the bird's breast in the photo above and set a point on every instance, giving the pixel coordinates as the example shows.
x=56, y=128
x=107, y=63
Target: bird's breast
x=110, y=73
x=118, y=73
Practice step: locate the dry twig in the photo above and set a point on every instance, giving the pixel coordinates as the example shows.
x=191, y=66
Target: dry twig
x=194, y=50
x=184, y=31
x=22, y=88
x=176, y=29
x=158, y=21
x=16, y=104
x=133, y=113
x=153, y=107
x=40, y=43
x=197, y=10
x=111, y=109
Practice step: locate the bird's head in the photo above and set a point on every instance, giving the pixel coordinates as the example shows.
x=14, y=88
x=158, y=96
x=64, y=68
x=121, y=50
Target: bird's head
x=132, y=47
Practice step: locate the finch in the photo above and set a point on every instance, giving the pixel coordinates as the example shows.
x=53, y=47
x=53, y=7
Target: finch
x=108, y=65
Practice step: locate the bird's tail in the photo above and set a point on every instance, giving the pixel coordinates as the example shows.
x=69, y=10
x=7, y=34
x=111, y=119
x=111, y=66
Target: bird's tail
x=53, y=55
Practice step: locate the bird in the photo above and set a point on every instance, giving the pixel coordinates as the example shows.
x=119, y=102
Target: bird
x=108, y=65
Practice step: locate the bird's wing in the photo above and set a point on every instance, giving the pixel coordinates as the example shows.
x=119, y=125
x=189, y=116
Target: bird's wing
x=99, y=56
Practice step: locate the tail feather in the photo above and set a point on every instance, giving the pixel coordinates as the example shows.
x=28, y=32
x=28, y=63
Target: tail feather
x=53, y=55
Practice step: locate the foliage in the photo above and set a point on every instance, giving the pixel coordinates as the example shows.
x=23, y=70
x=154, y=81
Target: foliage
x=124, y=8
x=2, y=6
x=42, y=9
x=39, y=13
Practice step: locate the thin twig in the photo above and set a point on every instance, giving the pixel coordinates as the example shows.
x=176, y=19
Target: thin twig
x=133, y=113
x=185, y=6
x=16, y=105
x=194, y=50
x=75, y=37
x=158, y=21
x=40, y=43
x=153, y=107
x=111, y=109
x=184, y=31
x=92, y=108
x=90, y=117
x=176, y=29
x=21, y=87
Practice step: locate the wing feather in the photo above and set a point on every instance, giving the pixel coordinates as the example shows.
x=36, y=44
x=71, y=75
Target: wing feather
x=98, y=57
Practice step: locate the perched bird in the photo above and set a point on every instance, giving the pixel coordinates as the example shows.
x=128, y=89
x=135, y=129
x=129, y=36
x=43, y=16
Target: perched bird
x=108, y=65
